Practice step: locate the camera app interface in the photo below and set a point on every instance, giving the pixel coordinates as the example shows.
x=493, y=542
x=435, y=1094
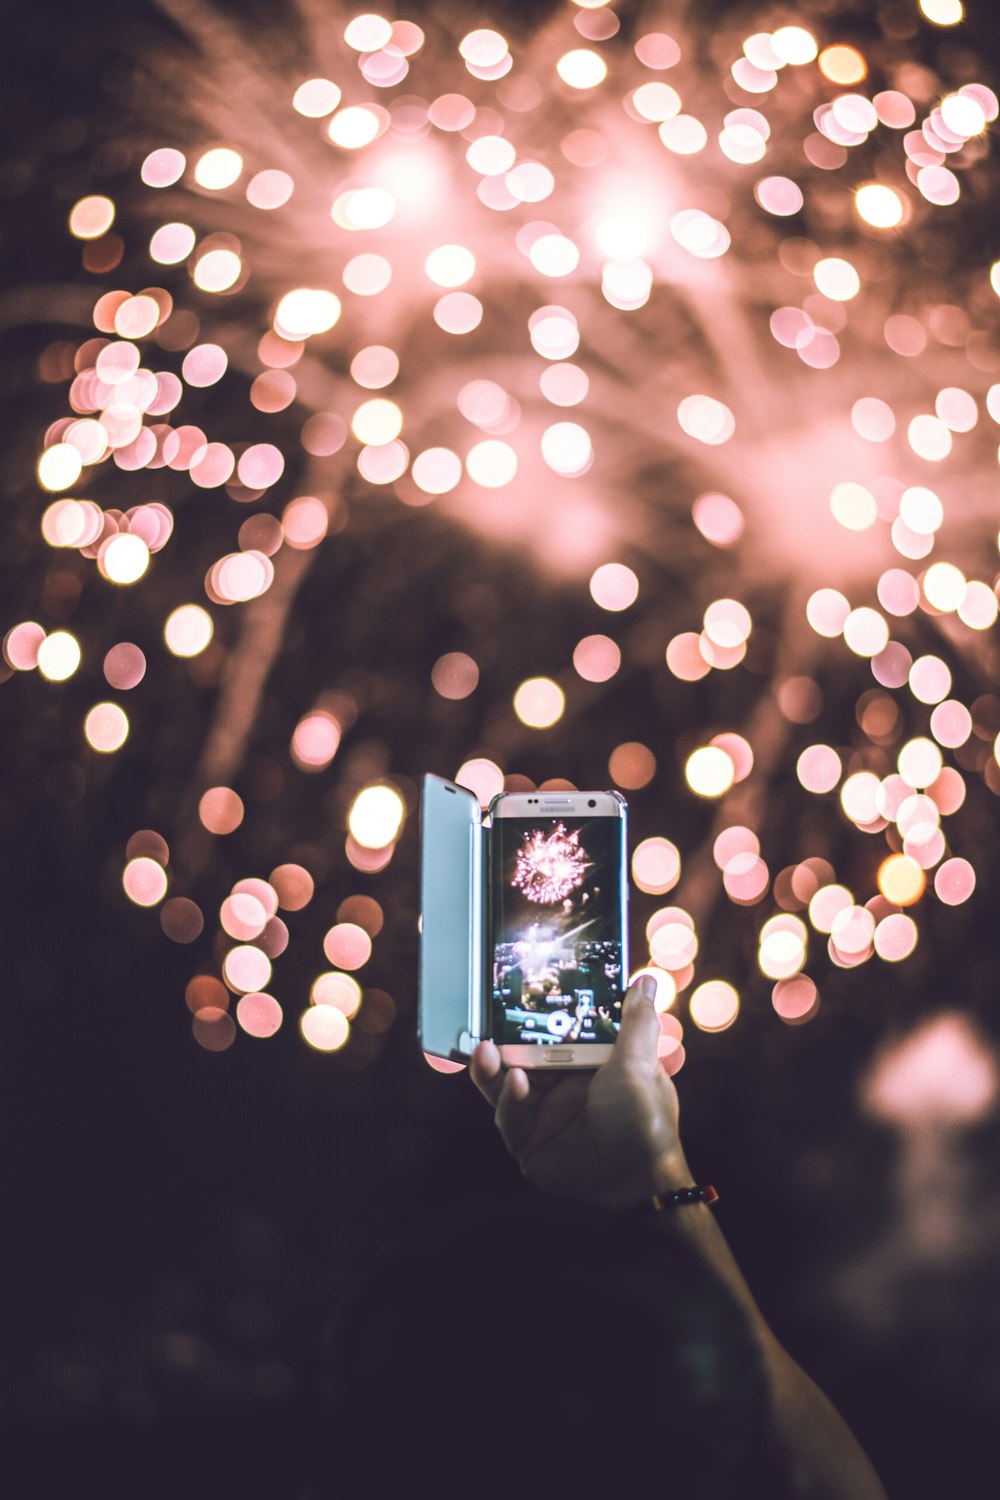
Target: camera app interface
x=557, y=957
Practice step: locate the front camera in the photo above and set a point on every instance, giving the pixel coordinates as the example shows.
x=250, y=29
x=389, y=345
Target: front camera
x=591, y=803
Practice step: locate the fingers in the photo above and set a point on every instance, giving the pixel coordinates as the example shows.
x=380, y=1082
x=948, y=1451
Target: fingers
x=487, y=1074
x=509, y=1094
x=516, y=1110
x=640, y=1027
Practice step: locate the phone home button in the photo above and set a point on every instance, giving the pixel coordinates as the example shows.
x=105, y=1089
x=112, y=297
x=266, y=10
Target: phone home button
x=564, y=1055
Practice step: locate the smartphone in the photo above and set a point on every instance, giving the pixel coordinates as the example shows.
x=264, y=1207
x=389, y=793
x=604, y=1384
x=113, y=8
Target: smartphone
x=558, y=928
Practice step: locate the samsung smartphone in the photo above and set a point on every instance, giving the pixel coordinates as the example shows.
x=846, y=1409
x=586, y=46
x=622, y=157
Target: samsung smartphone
x=558, y=928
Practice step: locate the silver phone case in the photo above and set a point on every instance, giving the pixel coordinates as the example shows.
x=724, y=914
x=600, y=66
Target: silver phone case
x=453, y=857
x=454, y=1005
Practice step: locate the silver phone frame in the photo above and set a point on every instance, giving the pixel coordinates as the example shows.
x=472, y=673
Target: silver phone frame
x=553, y=804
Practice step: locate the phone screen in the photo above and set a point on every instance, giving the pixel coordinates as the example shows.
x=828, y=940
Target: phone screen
x=557, y=930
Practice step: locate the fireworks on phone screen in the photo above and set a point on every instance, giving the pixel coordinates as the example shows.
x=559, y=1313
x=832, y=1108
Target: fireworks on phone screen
x=557, y=958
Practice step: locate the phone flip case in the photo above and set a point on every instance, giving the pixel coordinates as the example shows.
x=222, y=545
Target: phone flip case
x=454, y=869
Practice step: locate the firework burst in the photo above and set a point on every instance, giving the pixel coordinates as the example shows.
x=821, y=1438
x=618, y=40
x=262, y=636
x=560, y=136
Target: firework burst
x=691, y=316
x=550, y=865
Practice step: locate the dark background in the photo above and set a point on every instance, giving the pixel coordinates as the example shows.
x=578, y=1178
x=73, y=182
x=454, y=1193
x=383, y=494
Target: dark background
x=182, y=1221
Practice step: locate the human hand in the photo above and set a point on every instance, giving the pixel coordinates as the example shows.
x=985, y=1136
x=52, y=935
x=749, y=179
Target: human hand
x=607, y=1137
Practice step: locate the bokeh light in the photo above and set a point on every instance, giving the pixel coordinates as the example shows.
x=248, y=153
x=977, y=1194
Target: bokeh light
x=221, y=810
x=656, y=865
x=188, y=630
x=246, y=967
x=709, y=772
x=455, y=675
x=339, y=990
x=614, y=586
x=247, y=504
x=481, y=776
x=324, y=1027
x=315, y=740
x=376, y=816
x=106, y=727
x=347, y=945
x=539, y=702
x=145, y=881
x=714, y=1005
x=58, y=656
x=259, y=1015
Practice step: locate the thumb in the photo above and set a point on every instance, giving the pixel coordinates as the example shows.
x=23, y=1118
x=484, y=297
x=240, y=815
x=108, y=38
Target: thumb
x=640, y=1026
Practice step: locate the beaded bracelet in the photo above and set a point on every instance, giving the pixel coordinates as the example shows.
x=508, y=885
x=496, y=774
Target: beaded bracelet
x=660, y=1201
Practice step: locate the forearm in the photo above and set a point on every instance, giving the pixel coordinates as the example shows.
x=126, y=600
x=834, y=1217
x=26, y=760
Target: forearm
x=824, y=1461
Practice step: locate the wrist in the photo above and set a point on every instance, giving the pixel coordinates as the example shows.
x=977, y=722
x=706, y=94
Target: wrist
x=666, y=1174
x=671, y=1172
x=633, y=1193
x=686, y=1212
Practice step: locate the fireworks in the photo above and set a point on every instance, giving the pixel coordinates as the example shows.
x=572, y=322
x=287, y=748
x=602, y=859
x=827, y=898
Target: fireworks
x=695, y=300
x=550, y=865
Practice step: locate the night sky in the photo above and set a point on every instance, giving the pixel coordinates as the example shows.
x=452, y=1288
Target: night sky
x=186, y=1202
